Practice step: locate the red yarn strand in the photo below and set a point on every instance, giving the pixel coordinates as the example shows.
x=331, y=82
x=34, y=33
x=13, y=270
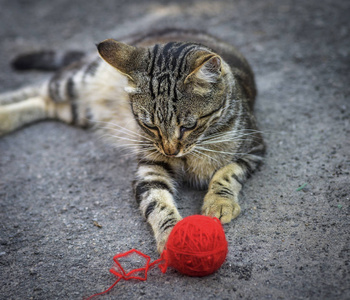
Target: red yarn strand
x=119, y=271
x=106, y=291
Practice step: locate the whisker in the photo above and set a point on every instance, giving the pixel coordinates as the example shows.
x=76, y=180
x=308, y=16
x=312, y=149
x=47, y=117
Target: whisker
x=136, y=150
x=134, y=135
x=127, y=139
x=201, y=153
x=230, y=135
x=220, y=141
x=215, y=151
x=134, y=146
x=121, y=127
x=155, y=151
x=242, y=154
x=195, y=154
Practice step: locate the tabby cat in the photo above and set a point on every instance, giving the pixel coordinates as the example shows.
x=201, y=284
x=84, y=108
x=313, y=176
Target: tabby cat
x=184, y=99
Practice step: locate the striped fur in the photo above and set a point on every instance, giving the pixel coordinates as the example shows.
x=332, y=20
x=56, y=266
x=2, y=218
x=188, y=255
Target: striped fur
x=183, y=100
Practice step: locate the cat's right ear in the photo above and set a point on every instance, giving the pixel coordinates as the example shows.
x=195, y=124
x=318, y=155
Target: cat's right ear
x=121, y=56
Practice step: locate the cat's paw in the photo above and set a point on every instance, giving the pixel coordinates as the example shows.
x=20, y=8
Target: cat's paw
x=6, y=121
x=224, y=209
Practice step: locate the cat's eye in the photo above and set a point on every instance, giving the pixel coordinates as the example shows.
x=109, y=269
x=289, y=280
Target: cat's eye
x=150, y=126
x=183, y=129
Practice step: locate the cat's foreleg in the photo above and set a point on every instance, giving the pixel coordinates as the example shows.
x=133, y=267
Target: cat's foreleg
x=221, y=200
x=154, y=191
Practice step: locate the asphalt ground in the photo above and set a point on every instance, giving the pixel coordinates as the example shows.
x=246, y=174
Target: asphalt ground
x=57, y=183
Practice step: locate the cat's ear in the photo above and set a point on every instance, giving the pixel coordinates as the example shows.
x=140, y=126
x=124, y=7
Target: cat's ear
x=207, y=69
x=123, y=57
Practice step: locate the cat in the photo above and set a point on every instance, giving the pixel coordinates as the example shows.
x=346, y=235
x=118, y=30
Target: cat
x=183, y=99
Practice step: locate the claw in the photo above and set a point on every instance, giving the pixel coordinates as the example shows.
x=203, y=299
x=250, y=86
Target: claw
x=222, y=208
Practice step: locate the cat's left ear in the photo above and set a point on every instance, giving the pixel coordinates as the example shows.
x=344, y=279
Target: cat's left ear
x=125, y=58
x=208, y=69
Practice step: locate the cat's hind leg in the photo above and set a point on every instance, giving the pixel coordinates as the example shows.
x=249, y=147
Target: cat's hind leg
x=18, y=114
x=21, y=94
x=22, y=107
x=17, y=111
x=55, y=99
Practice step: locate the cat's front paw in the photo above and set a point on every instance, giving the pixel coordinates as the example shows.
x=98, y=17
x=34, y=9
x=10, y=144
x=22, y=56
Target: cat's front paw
x=225, y=209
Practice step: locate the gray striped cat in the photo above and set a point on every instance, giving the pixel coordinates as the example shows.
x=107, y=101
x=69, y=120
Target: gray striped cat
x=183, y=99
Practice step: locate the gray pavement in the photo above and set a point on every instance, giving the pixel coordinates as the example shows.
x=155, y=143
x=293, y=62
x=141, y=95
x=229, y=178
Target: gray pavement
x=56, y=181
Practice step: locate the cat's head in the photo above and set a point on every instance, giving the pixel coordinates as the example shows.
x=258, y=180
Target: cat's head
x=177, y=90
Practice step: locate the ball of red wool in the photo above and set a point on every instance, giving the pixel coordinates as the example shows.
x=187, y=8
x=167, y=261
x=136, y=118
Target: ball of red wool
x=196, y=246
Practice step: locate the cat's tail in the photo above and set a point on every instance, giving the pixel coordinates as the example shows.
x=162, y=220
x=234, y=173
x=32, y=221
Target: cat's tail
x=46, y=60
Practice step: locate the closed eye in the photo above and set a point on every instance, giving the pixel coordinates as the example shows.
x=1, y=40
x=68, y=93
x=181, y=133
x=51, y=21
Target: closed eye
x=211, y=113
x=150, y=126
x=183, y=129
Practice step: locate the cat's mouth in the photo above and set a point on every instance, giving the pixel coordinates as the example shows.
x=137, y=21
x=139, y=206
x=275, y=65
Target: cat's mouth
x=170, y=149
x=179, y=152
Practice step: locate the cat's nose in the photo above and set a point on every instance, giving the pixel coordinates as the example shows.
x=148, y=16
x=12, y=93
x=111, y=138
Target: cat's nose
x=171, y=147
x=171, y=152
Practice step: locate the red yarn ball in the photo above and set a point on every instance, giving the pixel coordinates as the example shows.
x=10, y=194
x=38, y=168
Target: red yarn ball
x=196, y=246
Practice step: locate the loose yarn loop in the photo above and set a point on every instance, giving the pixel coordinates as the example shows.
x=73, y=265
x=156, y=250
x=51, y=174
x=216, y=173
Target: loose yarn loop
x=121, y=273
x=196, y=246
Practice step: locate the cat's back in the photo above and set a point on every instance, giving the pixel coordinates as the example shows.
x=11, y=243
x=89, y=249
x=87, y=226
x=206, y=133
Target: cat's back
x=239, y=65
